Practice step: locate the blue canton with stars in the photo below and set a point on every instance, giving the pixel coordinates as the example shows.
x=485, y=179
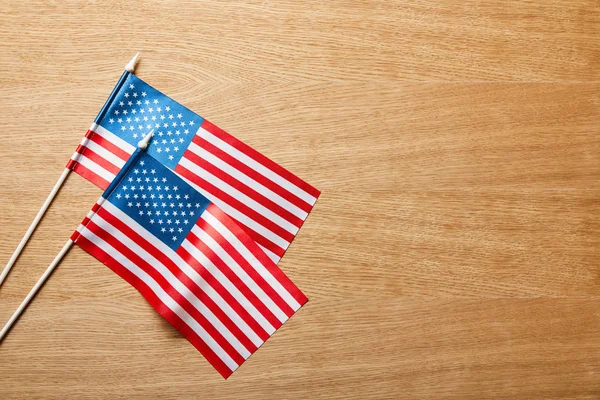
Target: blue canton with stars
x=138, y=108
x=158, y=199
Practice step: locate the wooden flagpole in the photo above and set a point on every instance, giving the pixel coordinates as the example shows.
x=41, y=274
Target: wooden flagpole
x=142, y=146
x=129, y=68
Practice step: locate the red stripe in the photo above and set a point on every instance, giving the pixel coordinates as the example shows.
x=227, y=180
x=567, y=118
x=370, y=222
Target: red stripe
x=187, y=281
x=259, y=254
x=98, y=159
x=242, y=187
x=110, y=146
x=244, y=264
x=158, y=305
x=257, y=176
x=233, y=202
x=91, y=176
x=168, y=288
x=258, y=238
x=258, y=157
x=233, y=278
x=224, y=293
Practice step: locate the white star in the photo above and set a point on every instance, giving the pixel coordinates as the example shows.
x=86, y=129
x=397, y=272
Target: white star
x=174, y=237
x=158, y=109
x=118, y=195
x=121, y=103
x=179, y=230
x=163, y=230
x=139, y=103
x=130, y=204
x=179, y=116
x=185, y=221
x=123, y=128
x=151, y=221
x=187, y=196
x=155, y=101
x=143, y=94
x=135, y=94
x=116, y=112
x=169, y=221
x=147, y=102
x=168, y=108
x=171, y=157
x=192, y=123
x=112, y=121
x=127, y=95
x=141, y=212
x=131, y=86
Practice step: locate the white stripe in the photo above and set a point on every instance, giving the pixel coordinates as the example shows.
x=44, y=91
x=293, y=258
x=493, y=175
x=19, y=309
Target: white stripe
x=258, y=266
x=164, y=298
x=102, y=152
x=95, y=168
x=229, y=287
x=255, y=165
x=233, y=192
x=247, y=181
x=274, y=257
x=198, y=279
x=239, y=271
x=174, y=282
x=241, y=217
x=114, y=139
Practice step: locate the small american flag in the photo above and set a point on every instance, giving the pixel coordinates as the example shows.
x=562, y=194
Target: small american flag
x=191, y=261
x=267, y=201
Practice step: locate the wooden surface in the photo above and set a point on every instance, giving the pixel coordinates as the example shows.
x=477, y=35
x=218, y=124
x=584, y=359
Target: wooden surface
x=454, y=252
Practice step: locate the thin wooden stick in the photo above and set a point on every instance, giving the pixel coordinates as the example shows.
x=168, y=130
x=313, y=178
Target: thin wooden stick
x=34, y=224
x=129, y=68
x=142, y=147
x=35, y=288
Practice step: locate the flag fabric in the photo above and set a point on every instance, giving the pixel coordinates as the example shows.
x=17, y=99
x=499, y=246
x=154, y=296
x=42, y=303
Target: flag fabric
x=190, y=260
x=266, y=200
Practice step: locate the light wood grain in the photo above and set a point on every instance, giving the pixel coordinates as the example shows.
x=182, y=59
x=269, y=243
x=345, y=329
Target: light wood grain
x=454, y=252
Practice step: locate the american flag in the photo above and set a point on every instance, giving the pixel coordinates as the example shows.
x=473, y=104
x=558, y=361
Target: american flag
x=193, y=264
x=266, y=200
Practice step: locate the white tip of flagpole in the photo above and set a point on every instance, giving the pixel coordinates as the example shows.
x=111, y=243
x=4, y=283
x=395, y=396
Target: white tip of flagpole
x=143, y=144
x=131, y=66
